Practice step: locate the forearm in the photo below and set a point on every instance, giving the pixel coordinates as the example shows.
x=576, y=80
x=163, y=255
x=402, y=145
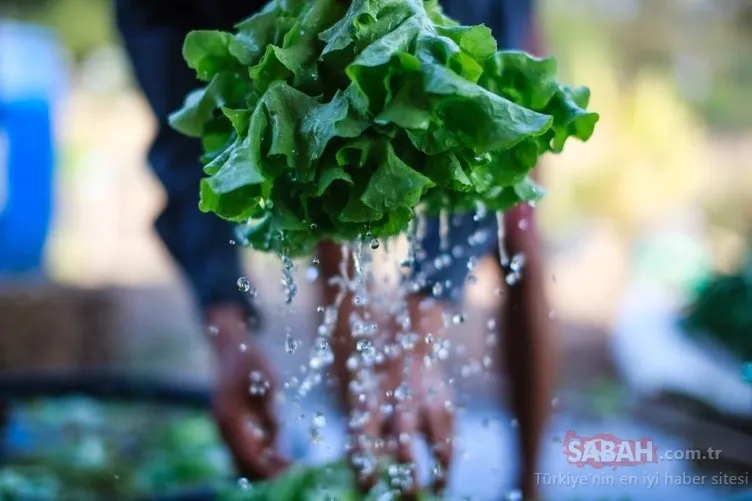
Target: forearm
x=528, y=344
x=199, y=243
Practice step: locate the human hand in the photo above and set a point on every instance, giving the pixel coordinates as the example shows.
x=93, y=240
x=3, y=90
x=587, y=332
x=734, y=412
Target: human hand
x=243, y=398
x=389, y=402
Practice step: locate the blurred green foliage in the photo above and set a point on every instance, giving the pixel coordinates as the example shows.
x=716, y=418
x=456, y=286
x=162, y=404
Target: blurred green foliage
x=81, y=450
x=722, y=311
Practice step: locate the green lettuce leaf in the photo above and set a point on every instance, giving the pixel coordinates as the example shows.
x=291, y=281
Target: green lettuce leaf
x=324, y=119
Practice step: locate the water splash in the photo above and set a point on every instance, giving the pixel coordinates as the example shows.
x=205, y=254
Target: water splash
x=315, y=431
x=503, y=257
x=481, y=211
x=444, y=230
x=516, y=265
x=291, y=343
x=289, y=287
x=259, y=384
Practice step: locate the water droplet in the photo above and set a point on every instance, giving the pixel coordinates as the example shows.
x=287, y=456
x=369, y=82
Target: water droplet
x=260, y=385
x=244, y=483
x=358, y=419
x=513, y=495
x=291, y=344
x=374, y=244
x=366, y=349
x=409, y=340
x=437, y=289
x=386, y=410
x=446, y=260
x=487, y=361
x=314, y=435
x=524, y=224
x=437, y=471
x=442, y=349
x=555, y=402
x=402, y=392
x=491, y=324
x=212, y=330
x=319, y=420
x=289, y=286
x=244, y=285
x=517, y=263
x=444, y=229
x=315, y=260
x=472, y=280
x=314, y=227
x=243, y=347
x=458, y=318
x=400, y=479
x=472, y=263
x=322, y=355
x=312, y=273
x=320, y=309
x=232, y=242
x=364, y=464
x=352, y=364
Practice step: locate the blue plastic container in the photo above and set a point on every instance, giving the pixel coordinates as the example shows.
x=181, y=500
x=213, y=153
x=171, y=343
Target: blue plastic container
x=31, y=76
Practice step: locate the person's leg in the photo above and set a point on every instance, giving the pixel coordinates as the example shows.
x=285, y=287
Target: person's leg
x=528, y=348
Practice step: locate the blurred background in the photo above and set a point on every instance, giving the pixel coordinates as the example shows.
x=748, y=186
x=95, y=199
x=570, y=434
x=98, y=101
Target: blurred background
x=647, y=222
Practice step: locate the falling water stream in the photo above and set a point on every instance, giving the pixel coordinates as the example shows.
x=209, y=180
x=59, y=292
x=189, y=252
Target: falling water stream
x=382, y=330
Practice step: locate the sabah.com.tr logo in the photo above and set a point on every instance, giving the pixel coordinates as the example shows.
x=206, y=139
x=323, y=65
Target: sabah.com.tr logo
x=608, y=451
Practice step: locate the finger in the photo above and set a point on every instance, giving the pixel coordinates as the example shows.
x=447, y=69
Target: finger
x=401, y=428
x=362, y=454
x=267, y=414
x=438, y=427
x=363, y=428
x=244, y=435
